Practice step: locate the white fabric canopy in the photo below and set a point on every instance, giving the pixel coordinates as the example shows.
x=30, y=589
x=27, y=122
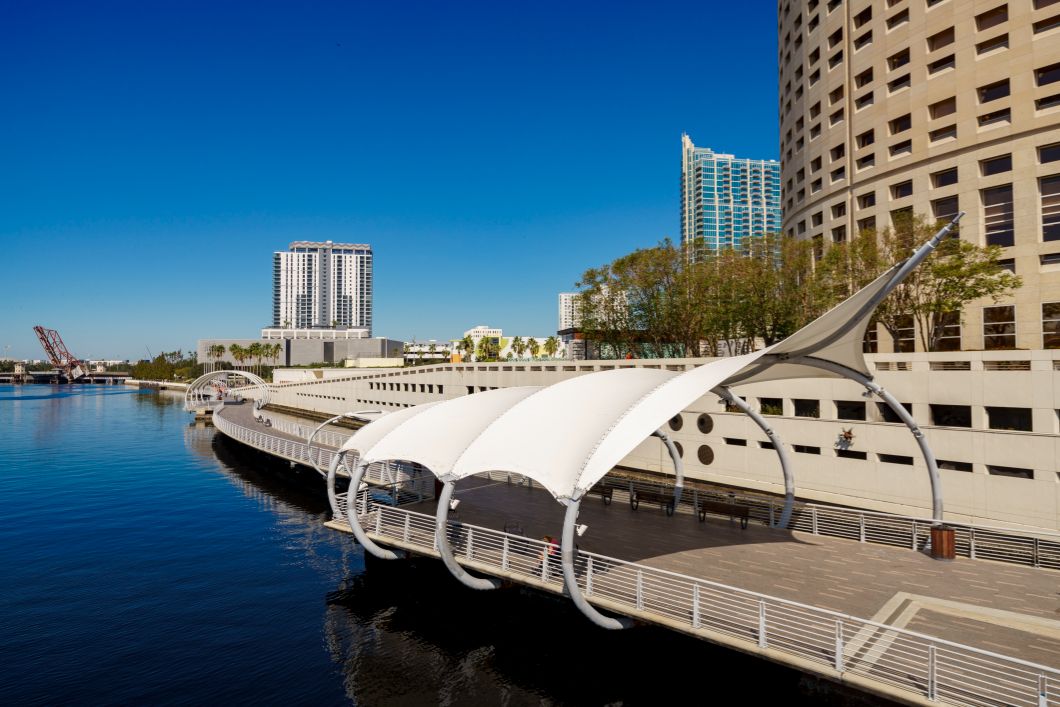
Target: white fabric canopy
x=568, y=435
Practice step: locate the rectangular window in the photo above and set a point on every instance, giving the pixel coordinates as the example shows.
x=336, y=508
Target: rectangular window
x=865, y=162
x=771, y=406
x=898, y=84
x=1047, y=74
x=999, y=327
x=839, y=209
x=835, y=38
x=901, y=124
x=997, y=216
x=945, y=209
x=1051, y=325
x=1012, y=471
x=991, y=18
x=899, y=19
x=954, y=466
x=902, y=189
x=804, y=449
x=951, y=415
x=993, y=91
x=838, y=174
x=995, y=165
x=849, y=410
x=862, y=17
x=838, y=152
x=946, y=62
x=898, y=60
x=851, y=454
x=1004, y=418
x=867, y=200
x=863, y=41
x=948, y=335
x=866, y=138
x=836, y=60
x=871, y=343
x=943, y=108
x=895, y=459
x=940, y=40
x=1047, y=102
x=867, y=224
x=839, y=234
x=1046, y=24
x=997, y=117
x=999, y=42
x=890, y=415
x=864, y=101
x=1049, y=153
x=1050, y=194
x=905, y=335
x=944, y=178
x=807, y=408
x=864, y=78
x=904, y=147
x=736, y=442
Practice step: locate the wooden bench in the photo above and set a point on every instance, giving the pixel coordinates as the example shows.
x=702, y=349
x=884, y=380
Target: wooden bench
x=665, y=499
x=732, y=510
x=604, y=492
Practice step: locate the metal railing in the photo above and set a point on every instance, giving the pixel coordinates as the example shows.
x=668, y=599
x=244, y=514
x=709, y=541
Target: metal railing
x=973, y=541
x=839, y=644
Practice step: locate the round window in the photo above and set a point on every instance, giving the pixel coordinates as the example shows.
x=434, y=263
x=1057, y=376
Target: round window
x=705, y=423
x=680, y=449
x=706, y=455
x=676, y=423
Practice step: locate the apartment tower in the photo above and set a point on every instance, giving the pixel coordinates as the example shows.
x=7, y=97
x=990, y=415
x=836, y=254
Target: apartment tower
x=896, y=107
x=724, y=199
x=323, y=285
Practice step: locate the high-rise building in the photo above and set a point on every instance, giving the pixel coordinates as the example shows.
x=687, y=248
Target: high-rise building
x=323, y=285
x=570, y=310
x=725, y=200
x=890, y=108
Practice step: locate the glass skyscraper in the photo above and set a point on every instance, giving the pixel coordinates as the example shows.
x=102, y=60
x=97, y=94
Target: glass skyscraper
x=725, y=200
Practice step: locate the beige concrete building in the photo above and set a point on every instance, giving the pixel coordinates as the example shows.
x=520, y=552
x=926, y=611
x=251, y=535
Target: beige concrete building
x=930, y=106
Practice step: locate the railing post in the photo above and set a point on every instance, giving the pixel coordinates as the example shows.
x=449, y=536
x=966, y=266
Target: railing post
x=640, y=589
x=504, y=554
x=913, y=534
x=971, y=543
x=813, y=518
x=1043, y=693
x=839, y=645
x=861, y=527
x=1036, y=554
x=406, y=534
x=469, y=551
x=589, y=577
x=762, y=642
x=379, y=521
x=772, y=520
x=932, y=674
x=544, y=564
x=695, y=606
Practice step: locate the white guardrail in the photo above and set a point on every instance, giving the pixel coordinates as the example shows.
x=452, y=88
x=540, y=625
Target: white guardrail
x=972, y=541
x=841, y=644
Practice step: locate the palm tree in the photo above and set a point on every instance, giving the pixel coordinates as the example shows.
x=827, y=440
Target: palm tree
x=238, y=353
x=518, y=346
x=532, y=346
x=277, y=351
x=467, y=345
x=551, y=346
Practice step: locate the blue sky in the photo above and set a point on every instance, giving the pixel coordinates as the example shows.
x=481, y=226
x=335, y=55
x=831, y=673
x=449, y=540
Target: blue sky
x=154, y=155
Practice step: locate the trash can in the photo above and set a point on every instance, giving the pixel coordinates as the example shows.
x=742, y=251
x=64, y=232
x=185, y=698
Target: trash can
x=943, y=542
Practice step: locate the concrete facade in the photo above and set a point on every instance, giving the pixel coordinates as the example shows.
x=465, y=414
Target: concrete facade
x=930, y=106
x=302, y=352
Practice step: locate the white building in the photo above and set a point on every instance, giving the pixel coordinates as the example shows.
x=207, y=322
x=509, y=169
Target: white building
x=570, y=310
x=506, y=346
x=322, y=285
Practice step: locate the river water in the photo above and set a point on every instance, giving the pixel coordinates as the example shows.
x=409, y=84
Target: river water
x=147, y=560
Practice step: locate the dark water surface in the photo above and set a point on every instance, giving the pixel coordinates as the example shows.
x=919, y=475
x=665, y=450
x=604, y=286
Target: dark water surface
x=144, y=561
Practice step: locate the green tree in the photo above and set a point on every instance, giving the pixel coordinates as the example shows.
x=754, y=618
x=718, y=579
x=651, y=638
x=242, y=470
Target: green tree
x=467, y=345
x=533, y=347
x=238, y=353
x=551, y=346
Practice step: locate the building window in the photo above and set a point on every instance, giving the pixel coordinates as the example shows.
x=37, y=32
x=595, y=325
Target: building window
x=898, y=84
x=990, y=45
x=864, y=101
x=863, y=40
x=866, y=224
x=951, y=415
x=997, y=216
x=943, y=133
x=865, y=162
x=904, y=335
x=849, y=410
x=895, y=459
x=1050, y=194
x=807, y=408
x=838, y=152
x=1049, y=153
x=997, y=117
x=817, y=219
x=945, y=209
x=991, y=18
x=839, y=234
x=736, y=442
x=941, y=39
x=1003, y=418
x=851, y=454
x=944, y=178
x=899, y=19
x=904, y=147
x=896, y=61
x=1051, y=325
x=1047, y=74
x=871, y=342
x=865, y=139
x=949, y=332
x=771, y=406
x=999, y=327
x=946, y=62
x=867, y=200
x=864, y=78
x=806, y=449
x=889, y=415
x=839, y=210
x=943, y=108
x=1011, y=471
x=993, y=91
x=1046, y=24
x=901, y=124
x=954, y=466
x=902, y=189
x=995, y=165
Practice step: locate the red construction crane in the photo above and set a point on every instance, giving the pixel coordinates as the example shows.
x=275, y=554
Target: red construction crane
x=58, y=354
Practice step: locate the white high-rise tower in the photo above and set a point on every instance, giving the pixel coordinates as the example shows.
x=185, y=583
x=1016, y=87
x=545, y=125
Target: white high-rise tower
x=323, y=285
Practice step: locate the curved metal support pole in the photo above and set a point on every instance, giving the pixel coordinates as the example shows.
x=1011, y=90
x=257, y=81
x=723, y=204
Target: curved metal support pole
x=903, y=415
x=785, y=461
x=355, y=524
x=333, y=498
x=315, y=461
x=570, y=581
x=441, y=539
x=679, y=467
